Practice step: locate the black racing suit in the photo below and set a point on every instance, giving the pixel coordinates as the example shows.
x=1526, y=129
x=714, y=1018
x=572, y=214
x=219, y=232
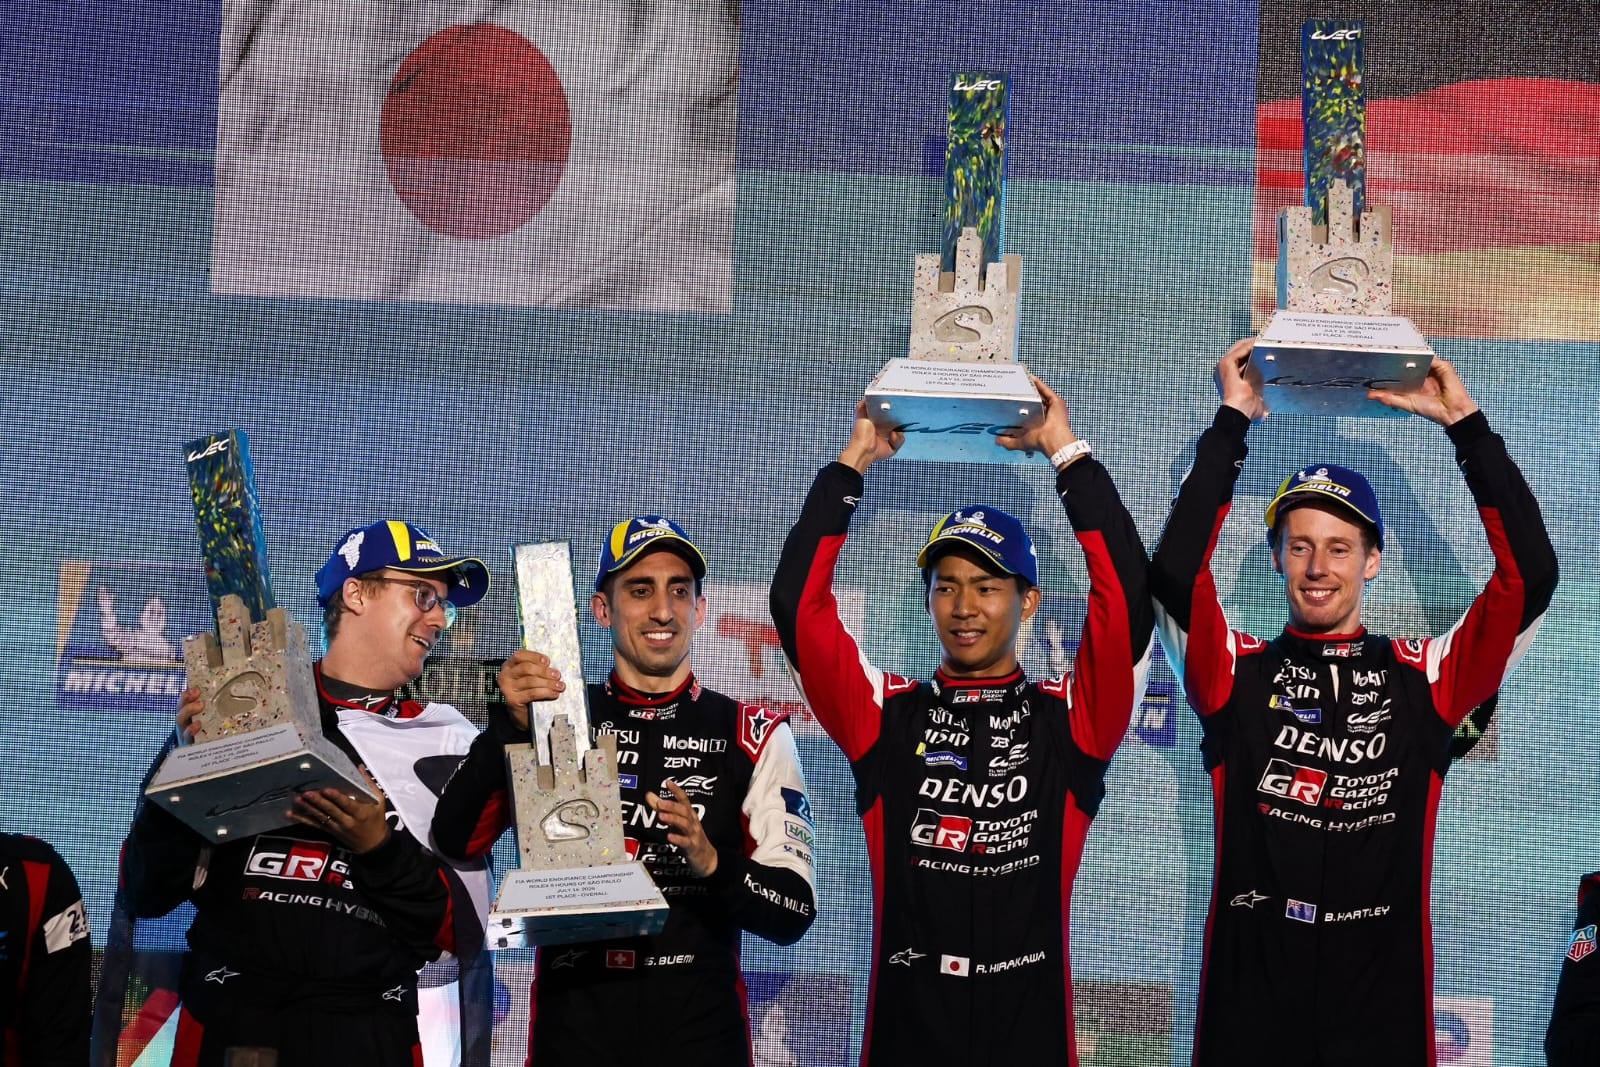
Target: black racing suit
x=298, y=944
x=1327, y=754
x=44, y=958
x=975, y=795
x=680, y=990
x=1573, y=1039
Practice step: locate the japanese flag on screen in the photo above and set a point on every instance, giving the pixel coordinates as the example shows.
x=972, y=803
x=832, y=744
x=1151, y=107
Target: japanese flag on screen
x=538, y=153
x=957, y=965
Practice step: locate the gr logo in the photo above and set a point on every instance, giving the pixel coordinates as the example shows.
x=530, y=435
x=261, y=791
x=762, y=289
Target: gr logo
x=950, y=832
x=296, y=861
x=1289, y=780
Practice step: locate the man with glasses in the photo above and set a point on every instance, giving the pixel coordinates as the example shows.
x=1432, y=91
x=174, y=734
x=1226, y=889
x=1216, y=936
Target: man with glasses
x=307, y=940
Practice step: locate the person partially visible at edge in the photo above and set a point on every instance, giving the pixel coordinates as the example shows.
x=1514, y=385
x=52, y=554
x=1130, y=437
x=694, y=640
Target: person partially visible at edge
x=975, y=789
x=1573, y=1037
x=1327, y=745
x=44, y=958
x=713, y=804
x=307, y=940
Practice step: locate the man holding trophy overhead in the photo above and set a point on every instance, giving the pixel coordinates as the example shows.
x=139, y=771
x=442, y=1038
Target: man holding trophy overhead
x=1327, y=745
x=713, y=805
x=307, y=940
x=975, y=789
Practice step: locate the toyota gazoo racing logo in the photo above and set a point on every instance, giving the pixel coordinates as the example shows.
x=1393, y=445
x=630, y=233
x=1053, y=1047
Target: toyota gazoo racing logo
x=298, y=861
x=1293, y=782
x=931, y=829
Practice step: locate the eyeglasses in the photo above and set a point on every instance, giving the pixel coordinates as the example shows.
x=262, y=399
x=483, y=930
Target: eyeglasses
x=425, y=596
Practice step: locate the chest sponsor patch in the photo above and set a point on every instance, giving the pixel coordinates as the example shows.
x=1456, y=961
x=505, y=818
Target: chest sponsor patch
x=1310, y=715
x=1293, y=782
x=1582, y=944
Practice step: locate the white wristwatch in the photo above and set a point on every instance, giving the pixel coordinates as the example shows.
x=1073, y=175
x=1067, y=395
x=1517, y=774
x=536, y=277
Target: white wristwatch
x=1067, y=453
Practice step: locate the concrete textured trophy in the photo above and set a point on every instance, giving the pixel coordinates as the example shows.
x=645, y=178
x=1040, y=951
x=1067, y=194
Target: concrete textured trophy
x=259, y=741
x=1334, y=336
x=961, y=384
x=576, y=881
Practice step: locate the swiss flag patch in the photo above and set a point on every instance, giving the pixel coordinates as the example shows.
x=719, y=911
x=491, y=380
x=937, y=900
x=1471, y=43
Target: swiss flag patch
x=755, y=725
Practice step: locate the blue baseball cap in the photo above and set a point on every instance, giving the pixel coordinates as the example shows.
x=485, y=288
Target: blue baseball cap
x=400, y=546
x=999, y=537
x=1329, y=481
x=633, y=537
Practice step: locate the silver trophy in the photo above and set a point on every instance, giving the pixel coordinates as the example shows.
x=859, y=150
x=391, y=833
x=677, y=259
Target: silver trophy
x=259, y=742
x=576, y=881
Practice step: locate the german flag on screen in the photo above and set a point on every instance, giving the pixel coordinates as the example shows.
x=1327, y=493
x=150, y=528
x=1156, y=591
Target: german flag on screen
x=1483, y=135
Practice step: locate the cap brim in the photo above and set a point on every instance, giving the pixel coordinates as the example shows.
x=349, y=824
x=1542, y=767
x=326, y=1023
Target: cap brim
x=470, y=582
x=1312, y=489
x=943, y=546
x=671, y=542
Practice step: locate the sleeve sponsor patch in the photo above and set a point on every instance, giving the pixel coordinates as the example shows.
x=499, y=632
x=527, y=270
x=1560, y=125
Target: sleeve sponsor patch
x=795, y=803
x=755, y=724
x=65, y=928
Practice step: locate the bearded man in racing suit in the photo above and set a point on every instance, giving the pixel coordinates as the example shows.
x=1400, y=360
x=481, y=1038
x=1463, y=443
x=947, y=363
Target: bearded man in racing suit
x=307, y=940
x=976, y=789
x=713, y=804
x=1327, y=746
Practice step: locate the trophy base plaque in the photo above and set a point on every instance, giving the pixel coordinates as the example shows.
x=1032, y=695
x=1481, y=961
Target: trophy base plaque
x=560, y=907
x=1316, y=364
x=238, y=786
x=953, y=411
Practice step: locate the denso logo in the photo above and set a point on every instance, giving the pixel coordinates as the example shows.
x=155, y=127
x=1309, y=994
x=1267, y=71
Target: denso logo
x=1339, y=750
x=1285, y=779
x=296, y=861
x=950, y=832
x=986, y=795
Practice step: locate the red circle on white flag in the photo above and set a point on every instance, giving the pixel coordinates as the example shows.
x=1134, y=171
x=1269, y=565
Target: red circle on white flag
x=475, y=131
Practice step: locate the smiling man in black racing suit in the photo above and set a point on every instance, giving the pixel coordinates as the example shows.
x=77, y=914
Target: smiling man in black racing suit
x=713, y=804
x=1327, y=746
x=976, y=789
x=307, y=940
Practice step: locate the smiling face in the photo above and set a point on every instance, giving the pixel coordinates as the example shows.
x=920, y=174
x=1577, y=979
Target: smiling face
x=977, y=614
x=652, y=610
x=384, y=638
x=1326, y=561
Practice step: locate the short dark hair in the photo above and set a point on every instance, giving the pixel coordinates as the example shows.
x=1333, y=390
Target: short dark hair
x=1369, y=532
x=987, y=565
x=334, y=612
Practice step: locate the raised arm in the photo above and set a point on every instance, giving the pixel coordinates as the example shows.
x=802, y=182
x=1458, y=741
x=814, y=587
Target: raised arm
x=1194, y=631
x=1470, y=661
x=1113, y=658
x=844, y=690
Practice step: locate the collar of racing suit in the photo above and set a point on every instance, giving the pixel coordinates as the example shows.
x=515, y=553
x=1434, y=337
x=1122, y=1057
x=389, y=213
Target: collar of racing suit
x=627, y=694
x=1329, y=646
x=942, y=681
